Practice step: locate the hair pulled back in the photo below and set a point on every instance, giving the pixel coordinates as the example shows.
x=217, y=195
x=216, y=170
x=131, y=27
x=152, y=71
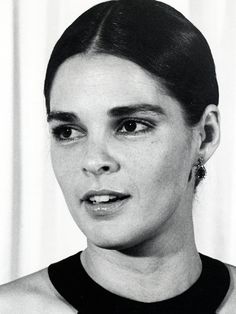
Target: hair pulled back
x=153, y=35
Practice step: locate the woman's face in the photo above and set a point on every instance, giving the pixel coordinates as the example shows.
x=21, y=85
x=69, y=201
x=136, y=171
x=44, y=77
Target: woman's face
x=121, y=152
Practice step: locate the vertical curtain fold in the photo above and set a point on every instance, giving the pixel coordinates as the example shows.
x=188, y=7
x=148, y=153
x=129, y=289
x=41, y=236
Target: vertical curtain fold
x=16, y=149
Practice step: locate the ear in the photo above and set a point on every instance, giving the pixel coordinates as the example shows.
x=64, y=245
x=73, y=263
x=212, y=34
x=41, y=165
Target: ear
x=209, y=132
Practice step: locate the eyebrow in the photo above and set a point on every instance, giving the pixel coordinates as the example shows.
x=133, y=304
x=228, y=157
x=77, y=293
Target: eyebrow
x=133, y=109
x=115, y=112
x=69, y=117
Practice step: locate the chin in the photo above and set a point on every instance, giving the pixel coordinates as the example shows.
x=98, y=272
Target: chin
x=114, y=240
x=109, y=243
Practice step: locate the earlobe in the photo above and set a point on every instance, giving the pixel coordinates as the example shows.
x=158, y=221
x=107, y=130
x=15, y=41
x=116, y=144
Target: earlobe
x=209, y=132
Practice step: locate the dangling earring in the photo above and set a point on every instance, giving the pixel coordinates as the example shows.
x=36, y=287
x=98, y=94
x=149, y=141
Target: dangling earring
x=200, y=170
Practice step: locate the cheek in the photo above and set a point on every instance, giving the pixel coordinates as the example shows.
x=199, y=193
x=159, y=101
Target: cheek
x=64, y=168
x=160, y=165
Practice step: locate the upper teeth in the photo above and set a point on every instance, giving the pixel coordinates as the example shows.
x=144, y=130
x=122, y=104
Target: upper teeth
x=101, y=198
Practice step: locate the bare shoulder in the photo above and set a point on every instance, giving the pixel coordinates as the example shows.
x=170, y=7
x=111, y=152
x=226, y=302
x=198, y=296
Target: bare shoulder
x=229, y=304
x=32, y=294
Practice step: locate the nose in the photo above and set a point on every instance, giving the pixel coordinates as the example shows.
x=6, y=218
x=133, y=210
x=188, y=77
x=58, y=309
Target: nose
x=98, y=161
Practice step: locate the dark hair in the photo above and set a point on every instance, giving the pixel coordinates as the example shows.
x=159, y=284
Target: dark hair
x=153, y=35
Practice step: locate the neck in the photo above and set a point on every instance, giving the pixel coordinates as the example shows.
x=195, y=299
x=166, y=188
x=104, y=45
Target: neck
x=146, y=274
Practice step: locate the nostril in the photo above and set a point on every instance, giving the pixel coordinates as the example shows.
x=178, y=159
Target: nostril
x=97, y=170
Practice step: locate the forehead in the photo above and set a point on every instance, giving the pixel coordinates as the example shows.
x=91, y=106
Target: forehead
x=105, y=81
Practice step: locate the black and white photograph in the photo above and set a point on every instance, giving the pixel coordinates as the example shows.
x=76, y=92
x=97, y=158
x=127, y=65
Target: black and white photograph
x=118, y=157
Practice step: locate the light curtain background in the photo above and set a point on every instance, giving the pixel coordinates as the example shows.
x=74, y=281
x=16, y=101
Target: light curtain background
x=35, y=225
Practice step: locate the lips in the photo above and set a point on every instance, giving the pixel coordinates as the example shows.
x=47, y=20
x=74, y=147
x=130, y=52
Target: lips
x=103, y=196
x=104, y=202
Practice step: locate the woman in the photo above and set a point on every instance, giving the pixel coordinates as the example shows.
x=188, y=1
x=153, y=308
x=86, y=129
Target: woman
x=131, y=97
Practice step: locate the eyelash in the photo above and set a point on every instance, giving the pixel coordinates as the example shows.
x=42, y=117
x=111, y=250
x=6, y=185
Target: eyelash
x=149, y=126
x=58, y=130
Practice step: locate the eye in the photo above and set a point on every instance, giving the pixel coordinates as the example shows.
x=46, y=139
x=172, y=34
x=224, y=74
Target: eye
x=66, y=133
x=133, y=126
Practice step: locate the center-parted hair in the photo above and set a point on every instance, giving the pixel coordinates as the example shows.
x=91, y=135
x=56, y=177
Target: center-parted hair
x=153, y=35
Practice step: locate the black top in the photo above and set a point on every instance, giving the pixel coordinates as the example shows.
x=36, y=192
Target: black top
x=203, y=297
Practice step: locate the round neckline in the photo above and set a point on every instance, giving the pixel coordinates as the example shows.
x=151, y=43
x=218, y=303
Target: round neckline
x=205, y=295
x=98, y=289
x=103, y=293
